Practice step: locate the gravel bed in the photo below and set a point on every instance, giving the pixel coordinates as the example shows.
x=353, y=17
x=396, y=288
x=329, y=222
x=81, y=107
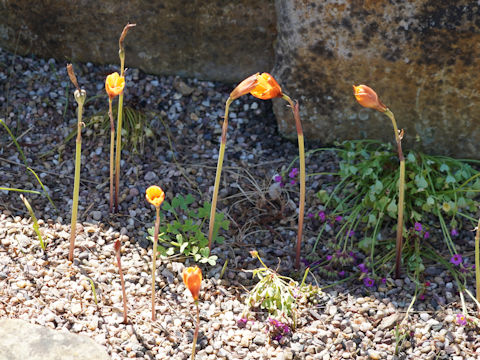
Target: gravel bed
x=349, y=321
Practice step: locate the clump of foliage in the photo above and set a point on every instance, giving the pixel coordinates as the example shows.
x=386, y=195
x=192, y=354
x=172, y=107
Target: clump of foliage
x=183, y=235
x=366, y=196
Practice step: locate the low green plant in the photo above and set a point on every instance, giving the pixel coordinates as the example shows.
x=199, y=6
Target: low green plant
x=279, y=295
x=183, y=235
x=364, y=196
x=36, y=228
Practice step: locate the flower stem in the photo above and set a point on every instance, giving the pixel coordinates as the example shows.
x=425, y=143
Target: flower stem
x=117, y=247
x=119, y=148
x=218, y=174
x=401, y=195
x=112, y=150
x=477, y=261
x=154, y=260
x=195, y=335
x=76, y=181
x=301, y=153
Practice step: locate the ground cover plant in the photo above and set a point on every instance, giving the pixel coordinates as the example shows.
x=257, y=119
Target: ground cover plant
x=279, y=305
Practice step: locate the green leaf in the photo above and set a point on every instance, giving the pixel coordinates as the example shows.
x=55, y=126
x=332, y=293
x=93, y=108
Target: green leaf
x=444, y=168
x=450, y=179
x=420, y=182
x=392, y=207
x=183, y=247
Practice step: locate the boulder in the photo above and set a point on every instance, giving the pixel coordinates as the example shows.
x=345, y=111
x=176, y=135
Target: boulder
x=218, y=40
x=422, y=58
x=20, y=340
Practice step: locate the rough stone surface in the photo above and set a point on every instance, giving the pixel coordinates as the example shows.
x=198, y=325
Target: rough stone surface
x=217, y=40
x=40, y=343
x=422, y=58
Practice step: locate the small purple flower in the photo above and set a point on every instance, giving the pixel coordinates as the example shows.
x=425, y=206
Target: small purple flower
x=292, y=182
x=368, y=282
x=454, y=232
x=351, y=233
x=278, y=329
x=241, y=323
x=321, y=216
x=473, y=267
x=384, y=280
x=426, y=235
x=421, y=296
x=338, y=218
x=293, y=173
x=310, y=215
x=456, y=259
x=278, y=178
x=329, y=257
x=461, y=320
x=418, y=227
x=305, y=262
x=282, y=184
x=363, y=268
x=341, y=274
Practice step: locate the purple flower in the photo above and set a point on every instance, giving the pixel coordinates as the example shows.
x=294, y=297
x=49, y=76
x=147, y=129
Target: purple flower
x=418, y=227
x=341, y=274
x=384, y=280
x=321, y=216
x=278, y=329
x=351, y=233
x=293, y=173
x=454, y=232
x=329, y=257
x=426, y=235
x=278, y=178
x=473, y=267
x=456, y=259
x=421, y=296
x=368, y=282
x=292, y=182
x=282, y=184
x=461, y=319
x=363, y=268
x=241, y=323
x=338, y=218
x=310, y=215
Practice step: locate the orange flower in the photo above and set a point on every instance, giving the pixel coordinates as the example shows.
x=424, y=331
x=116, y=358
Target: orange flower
x=367, y=97
x=192, y=278
x=245, y=87
x=114, y=85
x=155, y=195
x=267, y=87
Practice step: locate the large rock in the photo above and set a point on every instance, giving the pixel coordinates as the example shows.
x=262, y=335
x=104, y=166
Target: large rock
x=219, y=40
x=20, y=340
x=422, y=57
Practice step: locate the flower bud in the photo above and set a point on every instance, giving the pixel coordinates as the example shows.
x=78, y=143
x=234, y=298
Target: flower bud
x=368, y=98
x=155, y=195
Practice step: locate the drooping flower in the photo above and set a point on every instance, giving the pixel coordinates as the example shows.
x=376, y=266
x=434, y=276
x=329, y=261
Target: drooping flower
x=114, y=85
x=368, y=282
x=245, y=86
x=456, y=259
x=418, y=227
x=155, y=195
x=192, y=278
x=266, y=88
x=461, y=320
x=368, y=98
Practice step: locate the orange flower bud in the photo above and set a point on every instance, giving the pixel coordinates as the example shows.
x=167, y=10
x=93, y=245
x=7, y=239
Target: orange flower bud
x=267, y=87
x=114, y=85
x=245, y=87
x=155, y=195
x=367, y=97
x=192, y=278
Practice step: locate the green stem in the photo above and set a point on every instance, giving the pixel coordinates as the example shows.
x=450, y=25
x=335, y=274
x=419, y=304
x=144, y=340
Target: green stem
x=119, y=148
x=218, y=174
x=301, y=153
x=477, y=261
x=14, y=139
x=112, y=150
x=154, y=260
x=401, y=195
x=195, y=335
x=76, y=181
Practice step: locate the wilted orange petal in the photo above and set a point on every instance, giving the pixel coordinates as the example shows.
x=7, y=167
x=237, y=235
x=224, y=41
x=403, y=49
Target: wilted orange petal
x=367, y=97
x=155, y=195
x=192, y=278
x=244, y=87
x=267, y=87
